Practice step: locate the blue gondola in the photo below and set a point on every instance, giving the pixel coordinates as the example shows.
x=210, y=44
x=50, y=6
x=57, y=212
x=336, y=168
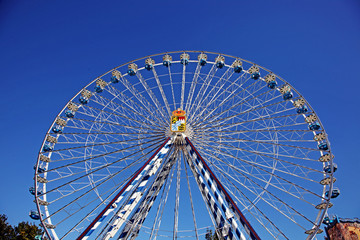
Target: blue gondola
x=57, y=129
x=323, y=146
x=327, y=168
x=203, y=62
x=287, y=95
x=34, y=215
x=335, y=193
x=32, y=191
x=167, y=63
x=98, y=89
x=38, y=237
x=47, y=148
x=255, y=75
x=184, y=61
x=114, y=79
x=131, y=72
x=326, y=221
x=69, y=114
x=148, y=66
x=301, y=110
x=220, y=64
x=83, y=100
x=272, y=84
x=314, y=126
x=40, y=170
x=238, y=69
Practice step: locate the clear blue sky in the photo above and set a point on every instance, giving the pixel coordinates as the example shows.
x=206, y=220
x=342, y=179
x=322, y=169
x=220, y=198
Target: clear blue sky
x=51, y=49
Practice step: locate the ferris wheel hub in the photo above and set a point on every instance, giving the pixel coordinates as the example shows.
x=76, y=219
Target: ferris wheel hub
x=178, y=121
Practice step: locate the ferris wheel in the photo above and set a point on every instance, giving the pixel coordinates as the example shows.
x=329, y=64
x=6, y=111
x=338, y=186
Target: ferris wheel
x=173, y=145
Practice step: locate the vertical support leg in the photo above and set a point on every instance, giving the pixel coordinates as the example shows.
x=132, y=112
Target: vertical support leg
x=221, y=223
x=215, y=184
x=135, y=223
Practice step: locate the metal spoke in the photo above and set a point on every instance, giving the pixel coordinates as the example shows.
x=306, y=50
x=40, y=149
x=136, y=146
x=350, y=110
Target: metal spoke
x=98, y=169
x=162, y=91
x=102, y=144
x=253, y=108
x=91, y=189
x=256, y=165
x=217, y=95
x=226, y=176
x=279, y=201
x=192, y=87
x=191, y=200
x=128, y=109
x=201, y=92
x=202, y=99
x=160, y=210
x=230, y=97
x=105, y=154
x=136, y=94
x=264, y=142
x=177, y=197
x=183, y=87
x=151, y=95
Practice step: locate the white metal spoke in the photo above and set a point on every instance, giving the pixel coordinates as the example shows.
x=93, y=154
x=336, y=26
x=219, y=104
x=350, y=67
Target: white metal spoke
x=140, y=111
x=247, y=174
x=151, y=95
x=96, y=170
x=264, y=143
x=219, y=93
x=191, y=200
x=130, y=101
x=192, y=87
x=264, y=167
x=252, y=108
x=162, y=92
x=183, y=87
x=207, y=94
x=177, y=197
x=105, y=154
x=203, y=87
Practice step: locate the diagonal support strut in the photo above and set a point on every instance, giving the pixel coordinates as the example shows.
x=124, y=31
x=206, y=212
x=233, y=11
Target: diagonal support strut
x=211, y=178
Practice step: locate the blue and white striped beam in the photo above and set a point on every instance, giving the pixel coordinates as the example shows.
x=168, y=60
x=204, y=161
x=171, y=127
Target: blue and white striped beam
x=134, y=225
x=221, y=223
x=215, y=184
x=124, y=191
x=128, y=207
x=228, y=214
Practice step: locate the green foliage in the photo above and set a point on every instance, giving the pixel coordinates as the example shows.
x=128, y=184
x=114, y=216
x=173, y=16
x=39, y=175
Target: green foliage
x=6, y=230
x=26, y=231
x=23, y=231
